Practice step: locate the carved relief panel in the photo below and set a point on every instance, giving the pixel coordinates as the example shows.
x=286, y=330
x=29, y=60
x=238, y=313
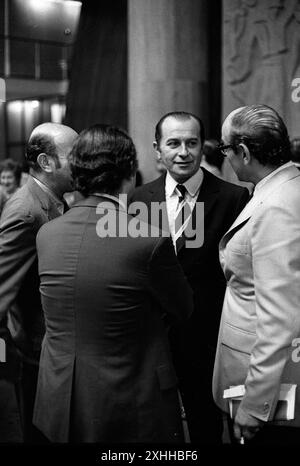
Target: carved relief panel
x=261, y=56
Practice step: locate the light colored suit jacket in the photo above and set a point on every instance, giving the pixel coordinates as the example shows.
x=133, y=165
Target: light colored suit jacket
x=260, y=257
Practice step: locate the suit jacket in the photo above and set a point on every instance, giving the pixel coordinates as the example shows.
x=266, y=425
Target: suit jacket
x=21, y=317
x=260, y=256
x=105, y=368
x=3, y=199
x=222, y=203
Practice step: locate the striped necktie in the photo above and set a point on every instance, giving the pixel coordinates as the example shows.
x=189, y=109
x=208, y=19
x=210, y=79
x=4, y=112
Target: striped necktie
x=182, y=215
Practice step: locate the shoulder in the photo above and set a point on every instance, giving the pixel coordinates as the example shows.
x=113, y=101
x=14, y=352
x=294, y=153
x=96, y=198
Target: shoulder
x=147, y=188
x=225, y=186
x=286, y=195
x=21, y=206
x=50, y=227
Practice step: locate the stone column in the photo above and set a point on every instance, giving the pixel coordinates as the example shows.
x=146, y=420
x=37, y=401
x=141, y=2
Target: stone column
x=168, y=68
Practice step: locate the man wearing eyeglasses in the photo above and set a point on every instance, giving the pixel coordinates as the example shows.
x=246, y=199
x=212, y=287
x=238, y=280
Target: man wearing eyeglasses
x=179, y=138
x=258, y=344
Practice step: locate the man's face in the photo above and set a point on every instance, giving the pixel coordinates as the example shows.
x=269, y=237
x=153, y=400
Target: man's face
x=235, y=158
x=8, y=181
x=63, y=178
x=180, y=148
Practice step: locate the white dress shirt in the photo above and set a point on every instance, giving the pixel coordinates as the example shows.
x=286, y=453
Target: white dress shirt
x=192, y=186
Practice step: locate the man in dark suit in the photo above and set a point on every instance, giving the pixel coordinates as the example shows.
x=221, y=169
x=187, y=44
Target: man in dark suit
x=21, y=319
x=106, y=373
x=179, y=138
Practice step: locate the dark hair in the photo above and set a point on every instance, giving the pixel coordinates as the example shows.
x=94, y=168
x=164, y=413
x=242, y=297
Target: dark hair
x=101, y=158
x=263, y=131
x=212, y=153
x=14, y=167
x=38, y=144
x=295, y=150
x=183, y=116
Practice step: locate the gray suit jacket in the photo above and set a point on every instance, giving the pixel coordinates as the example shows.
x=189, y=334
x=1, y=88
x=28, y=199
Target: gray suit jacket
x=105, y=369
x=20, y=307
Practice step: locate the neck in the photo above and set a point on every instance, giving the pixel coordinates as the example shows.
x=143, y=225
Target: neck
x=262, y=173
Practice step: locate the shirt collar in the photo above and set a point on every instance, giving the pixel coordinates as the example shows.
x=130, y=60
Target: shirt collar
x=262, y=182
x=192, y=185
x=121, y=199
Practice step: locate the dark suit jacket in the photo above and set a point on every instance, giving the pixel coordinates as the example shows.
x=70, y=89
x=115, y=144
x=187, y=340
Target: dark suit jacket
x=105, y=371
x=20, y=308
x=196, y=339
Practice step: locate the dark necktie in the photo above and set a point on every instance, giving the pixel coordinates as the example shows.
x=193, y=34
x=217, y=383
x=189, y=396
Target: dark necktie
x=183, y=213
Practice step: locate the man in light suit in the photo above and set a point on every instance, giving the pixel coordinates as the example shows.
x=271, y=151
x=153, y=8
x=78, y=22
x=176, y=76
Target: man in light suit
x=179, y=138
x=260, y=257
x=106, y=373
x=21, y=319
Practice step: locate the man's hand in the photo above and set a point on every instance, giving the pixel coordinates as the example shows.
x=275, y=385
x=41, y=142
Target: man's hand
x=246, y=425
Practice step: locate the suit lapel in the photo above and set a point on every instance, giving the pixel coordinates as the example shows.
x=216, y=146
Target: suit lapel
x=208, y=192
x=157, y=194
x=157, y=191
x=47, y=204
x=281, y=177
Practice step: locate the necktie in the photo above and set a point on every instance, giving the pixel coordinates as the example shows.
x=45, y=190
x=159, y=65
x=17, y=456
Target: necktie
x=182, y=215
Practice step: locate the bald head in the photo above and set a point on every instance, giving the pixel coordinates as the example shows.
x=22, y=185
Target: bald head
x=47, y=155
x=48, y=138
x=54, y=131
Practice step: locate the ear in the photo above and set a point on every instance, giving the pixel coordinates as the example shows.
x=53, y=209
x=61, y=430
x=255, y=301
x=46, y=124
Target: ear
x=156, y=148
x=245, y=154
x=45, y=162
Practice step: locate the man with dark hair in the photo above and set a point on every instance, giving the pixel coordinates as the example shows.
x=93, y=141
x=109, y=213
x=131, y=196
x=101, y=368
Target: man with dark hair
x=295, y=150
x=21, y=319
x=178, y=145
x=212, y=160
x=106, y=374
x=259, y=333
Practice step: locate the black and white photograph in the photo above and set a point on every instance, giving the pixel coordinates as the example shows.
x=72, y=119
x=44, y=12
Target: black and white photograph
x=149, y=230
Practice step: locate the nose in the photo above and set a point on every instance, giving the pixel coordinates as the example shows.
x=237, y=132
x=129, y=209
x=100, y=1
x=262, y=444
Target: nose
x=183, y=150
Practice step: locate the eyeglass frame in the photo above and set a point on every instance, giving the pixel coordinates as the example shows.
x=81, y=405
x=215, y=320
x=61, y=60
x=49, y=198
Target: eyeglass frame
x=222, y=147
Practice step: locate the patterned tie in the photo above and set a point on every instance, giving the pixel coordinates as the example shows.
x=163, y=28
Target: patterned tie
x=182, y=215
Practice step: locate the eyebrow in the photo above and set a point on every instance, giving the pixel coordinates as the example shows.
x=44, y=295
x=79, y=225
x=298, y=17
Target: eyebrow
x=194, y=138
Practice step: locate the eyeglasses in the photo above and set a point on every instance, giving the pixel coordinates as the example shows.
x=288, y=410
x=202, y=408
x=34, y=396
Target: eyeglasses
x=223, y=148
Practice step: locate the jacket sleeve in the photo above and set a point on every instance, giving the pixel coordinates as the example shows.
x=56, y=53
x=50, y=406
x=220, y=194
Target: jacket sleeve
x=167, y=281
x=17, y=254
x=275, y=246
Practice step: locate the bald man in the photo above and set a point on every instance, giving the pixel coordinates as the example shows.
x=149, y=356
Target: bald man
x=21, y=317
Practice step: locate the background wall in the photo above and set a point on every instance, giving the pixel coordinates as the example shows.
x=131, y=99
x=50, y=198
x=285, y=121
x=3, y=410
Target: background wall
x=98, y=85
x=169, y=67
x=261, y=56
